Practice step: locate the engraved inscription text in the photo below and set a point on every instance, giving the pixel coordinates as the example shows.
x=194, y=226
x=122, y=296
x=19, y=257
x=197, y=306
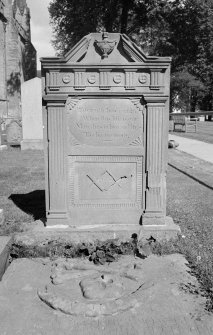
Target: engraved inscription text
x=105, y=122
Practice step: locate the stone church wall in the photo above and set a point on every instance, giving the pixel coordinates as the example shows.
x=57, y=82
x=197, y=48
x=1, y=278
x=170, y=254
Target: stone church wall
x=17, y=56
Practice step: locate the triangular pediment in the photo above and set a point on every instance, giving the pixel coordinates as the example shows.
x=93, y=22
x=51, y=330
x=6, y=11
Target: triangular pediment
x=79, y=50
x=107, y=48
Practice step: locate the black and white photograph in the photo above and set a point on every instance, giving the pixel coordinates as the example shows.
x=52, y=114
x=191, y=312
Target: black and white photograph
x=106, y=167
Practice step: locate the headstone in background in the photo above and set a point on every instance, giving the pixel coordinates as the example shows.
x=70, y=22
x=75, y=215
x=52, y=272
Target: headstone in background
x=32, y=124
x=3, y=136
x=14, y=132
x=0, y=133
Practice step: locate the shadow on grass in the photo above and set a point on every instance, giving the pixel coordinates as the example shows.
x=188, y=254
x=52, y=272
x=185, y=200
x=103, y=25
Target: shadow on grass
x=32, y=203
x=190, y=176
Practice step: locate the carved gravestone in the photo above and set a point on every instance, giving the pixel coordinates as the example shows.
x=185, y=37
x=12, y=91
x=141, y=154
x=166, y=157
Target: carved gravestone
x=14, y=132
x=105, y=108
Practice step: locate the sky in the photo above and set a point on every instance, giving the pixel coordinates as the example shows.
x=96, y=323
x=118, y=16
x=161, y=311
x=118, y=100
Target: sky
x=41, y=31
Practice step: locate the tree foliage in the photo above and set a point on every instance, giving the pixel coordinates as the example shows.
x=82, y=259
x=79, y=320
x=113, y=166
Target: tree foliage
x=182, y=29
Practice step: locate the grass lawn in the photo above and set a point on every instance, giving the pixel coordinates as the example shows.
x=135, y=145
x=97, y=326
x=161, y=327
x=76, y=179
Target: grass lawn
x=21, y=172
x=189, y=202
x=204, y=132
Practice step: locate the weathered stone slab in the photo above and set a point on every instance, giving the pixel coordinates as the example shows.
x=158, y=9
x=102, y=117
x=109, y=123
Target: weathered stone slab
x=165, y=307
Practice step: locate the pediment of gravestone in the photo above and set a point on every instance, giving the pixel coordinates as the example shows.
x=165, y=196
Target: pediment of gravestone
x=118, y=49
x=106, y=62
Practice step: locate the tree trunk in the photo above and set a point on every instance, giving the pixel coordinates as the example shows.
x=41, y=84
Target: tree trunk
x=111, y=15
x=124, y=15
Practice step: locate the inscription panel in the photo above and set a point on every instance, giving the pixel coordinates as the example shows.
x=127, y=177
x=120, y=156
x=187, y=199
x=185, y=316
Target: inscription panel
x=105, y=122
x=105, y=181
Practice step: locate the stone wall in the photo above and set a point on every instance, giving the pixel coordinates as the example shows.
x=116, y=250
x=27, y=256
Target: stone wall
x=17, y=56
x=3, y=22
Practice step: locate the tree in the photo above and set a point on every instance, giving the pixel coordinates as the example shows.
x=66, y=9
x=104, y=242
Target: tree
x=72, y=19
x=187, y=91
x=182, y=29
x=192, y=40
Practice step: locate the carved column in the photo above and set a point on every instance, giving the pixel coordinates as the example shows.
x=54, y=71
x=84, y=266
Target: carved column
x=79, y=80
x=129, y=79
x=104, y=79
x=155, y=80
x=56, y=155
x=54, y=80
x=155, y=203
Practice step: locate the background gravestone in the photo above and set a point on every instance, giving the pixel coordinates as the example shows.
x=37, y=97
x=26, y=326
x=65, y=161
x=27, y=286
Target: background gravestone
x=14, y=132
x=32, y=123
x=106, y=136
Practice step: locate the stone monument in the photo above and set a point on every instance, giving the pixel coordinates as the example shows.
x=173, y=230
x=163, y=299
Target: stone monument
x=14, y=132
x=105, y=107
x=32, y=124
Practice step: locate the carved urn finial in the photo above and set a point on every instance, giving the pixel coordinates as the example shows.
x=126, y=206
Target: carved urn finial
x=105, y=46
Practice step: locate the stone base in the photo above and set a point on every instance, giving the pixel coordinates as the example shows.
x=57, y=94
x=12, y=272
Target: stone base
x=88, y=233
x=32, y=145
x=165, y=231
x=91, y=233
x=3, y=147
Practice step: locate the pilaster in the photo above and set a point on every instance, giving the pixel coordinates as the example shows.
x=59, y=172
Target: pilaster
x=56, y=157
x=155, y=175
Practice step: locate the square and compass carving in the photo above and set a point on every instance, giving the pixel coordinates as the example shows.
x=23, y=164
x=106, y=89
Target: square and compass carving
x=105, y=181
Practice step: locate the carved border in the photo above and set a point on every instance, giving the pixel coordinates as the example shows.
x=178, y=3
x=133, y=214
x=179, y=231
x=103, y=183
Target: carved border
x=140, y=140
x=70, y=104
x=108, y=159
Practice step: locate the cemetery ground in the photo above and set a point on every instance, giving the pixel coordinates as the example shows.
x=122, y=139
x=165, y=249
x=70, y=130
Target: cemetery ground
x=204, y=132
x=189, y=194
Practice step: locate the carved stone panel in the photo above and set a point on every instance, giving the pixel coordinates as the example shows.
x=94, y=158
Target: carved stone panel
x=105, y=181
x=105, y=122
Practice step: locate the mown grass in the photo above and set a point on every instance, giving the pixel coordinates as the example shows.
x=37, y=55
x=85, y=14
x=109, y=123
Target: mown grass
x=20, y=173
x=191, y=206
x=204, y=132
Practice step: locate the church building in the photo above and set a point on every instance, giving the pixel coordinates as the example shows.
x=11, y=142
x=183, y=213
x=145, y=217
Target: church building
x=17, y=57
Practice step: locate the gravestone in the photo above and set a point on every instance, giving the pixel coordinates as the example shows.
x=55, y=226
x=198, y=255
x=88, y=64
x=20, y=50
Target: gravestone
x=32, y=123
x=14, y=132
x=105, y=108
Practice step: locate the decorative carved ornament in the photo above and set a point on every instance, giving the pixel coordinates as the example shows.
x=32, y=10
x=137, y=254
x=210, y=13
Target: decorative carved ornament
x=106, y=46
x=66, y=78
x=142, y=78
